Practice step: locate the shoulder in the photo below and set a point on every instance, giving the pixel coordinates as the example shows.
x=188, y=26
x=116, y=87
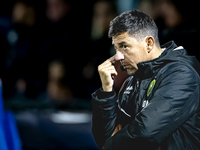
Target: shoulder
x=177, y=79
x=179, y=70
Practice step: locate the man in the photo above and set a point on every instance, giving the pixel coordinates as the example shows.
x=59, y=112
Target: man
x=158, y=105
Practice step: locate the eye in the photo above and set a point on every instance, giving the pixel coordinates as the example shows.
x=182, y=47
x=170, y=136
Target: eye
x=124, y=46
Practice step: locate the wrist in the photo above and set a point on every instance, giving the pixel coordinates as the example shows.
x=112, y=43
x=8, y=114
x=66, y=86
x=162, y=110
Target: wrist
x=107, y=89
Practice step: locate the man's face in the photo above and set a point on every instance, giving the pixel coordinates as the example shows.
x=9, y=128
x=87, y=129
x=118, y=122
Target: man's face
x=130, y=52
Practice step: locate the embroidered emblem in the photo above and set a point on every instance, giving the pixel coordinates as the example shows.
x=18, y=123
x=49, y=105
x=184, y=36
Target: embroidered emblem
x=151, y=86
x=128, y=90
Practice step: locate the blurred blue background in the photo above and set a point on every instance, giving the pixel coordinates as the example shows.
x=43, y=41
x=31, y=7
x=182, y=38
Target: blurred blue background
x=50, y=50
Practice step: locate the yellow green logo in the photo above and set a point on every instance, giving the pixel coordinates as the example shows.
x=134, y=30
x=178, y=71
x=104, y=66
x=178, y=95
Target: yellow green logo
x=151, y=86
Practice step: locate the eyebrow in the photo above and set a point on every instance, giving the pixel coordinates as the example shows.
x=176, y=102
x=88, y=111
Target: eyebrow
x=122, y=43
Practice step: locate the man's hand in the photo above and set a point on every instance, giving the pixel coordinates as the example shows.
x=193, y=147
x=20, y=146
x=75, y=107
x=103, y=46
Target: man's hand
x=107, y=73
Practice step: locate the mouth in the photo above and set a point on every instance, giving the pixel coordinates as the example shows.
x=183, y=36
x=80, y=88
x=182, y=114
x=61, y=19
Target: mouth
x=125, y=66
x=123, y=63
x=128, y=68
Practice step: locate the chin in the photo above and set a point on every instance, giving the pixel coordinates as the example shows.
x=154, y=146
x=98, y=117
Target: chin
x=131, y=72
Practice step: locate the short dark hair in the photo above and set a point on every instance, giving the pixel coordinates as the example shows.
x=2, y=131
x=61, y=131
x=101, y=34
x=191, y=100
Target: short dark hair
x=138, y=24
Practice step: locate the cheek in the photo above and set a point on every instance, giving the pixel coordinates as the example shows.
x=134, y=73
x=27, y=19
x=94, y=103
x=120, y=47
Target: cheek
x=138, y=56
x=132, y=58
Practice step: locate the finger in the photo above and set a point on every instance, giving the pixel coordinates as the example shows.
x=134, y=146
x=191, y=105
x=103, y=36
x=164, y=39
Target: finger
x=108, y=62
x=108, y=68
x=111, y=71
x=111, y=58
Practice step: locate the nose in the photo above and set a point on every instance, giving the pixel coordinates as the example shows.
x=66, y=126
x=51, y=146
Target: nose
x=119, y=56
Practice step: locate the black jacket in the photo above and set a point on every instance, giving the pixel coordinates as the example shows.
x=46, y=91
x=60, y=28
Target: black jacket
x=158, y=107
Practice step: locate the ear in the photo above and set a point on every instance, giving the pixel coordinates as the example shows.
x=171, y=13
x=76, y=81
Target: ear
x=149, y=43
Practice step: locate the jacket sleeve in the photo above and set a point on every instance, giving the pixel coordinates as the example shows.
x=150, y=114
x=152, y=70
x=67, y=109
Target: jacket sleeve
x=174, y=101
x=104, y=115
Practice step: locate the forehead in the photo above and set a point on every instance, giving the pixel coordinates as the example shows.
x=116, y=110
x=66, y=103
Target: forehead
x=124, y=37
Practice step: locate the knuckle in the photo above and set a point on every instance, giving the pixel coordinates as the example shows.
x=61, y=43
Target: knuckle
x=99, y=68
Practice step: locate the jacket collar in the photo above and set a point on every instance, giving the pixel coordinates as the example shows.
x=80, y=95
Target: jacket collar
x=148, y=68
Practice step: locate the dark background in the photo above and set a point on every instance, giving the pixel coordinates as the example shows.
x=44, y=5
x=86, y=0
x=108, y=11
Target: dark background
x=50, y=51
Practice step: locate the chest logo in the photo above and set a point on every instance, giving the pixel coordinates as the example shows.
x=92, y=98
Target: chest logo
x=151, y=86
x=128, y=90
